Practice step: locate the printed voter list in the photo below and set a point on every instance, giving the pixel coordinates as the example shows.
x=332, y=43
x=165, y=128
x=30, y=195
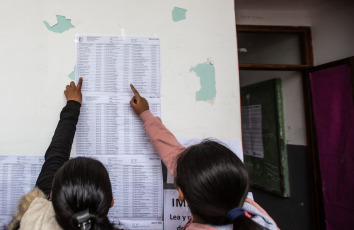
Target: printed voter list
x=18, y=175
x=110, y=131
x=107, y=125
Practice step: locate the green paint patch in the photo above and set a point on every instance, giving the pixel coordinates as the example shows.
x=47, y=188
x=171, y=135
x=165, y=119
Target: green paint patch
x=72, y=74
x=206, y=72
x=178, y=14
x=62, y=25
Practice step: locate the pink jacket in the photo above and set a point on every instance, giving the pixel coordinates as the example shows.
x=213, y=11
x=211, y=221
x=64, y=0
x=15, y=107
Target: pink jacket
x=169, y=148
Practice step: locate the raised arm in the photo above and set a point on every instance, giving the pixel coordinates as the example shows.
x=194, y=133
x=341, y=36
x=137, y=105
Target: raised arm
x=59, y=149
x=164, y=141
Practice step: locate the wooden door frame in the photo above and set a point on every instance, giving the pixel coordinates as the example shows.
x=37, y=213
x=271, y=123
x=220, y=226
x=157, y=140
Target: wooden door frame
x=305, y=46
x=315, y=182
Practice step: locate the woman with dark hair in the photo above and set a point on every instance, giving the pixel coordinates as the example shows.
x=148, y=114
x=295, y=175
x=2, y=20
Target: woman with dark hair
x=209, y=176
x=80, y=189
x=82, y=195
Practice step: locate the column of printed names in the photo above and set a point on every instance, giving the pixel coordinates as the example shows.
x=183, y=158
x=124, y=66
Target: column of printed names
x=108, y=129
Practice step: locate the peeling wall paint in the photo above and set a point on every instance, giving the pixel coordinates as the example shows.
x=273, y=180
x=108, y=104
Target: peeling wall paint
x=178, y=14
x=62, y=25
x=72, y=74
x=206, y=72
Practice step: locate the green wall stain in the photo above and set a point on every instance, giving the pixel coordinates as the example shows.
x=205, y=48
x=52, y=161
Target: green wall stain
x=62, y=25
x=206, y=72
x=178, y=14
x=72, y=74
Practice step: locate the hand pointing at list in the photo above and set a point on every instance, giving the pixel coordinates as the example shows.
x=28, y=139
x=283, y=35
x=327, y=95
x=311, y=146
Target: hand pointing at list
x=138, y=103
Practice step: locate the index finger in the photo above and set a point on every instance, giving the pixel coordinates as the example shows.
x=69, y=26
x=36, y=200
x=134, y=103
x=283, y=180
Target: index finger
x=79, y=84
x=136, y=93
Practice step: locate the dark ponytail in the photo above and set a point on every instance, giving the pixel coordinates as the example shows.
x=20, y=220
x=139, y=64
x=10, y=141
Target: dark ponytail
x=82, y=195
x=214, y=181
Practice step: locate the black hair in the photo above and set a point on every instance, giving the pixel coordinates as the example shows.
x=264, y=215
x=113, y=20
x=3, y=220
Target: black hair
x=82, y=184
x=214, y=181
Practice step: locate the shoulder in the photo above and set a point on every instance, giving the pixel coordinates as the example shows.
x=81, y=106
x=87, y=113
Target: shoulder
x=40, y=215
x=259, y=215
x=34, y=212
x=23, y=205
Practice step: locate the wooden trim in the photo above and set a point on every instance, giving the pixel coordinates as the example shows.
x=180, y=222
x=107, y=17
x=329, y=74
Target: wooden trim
x=315, y=182
x=273, y=67
x=349, y=61
x=272, y=29
x=306, y=46
x=303, y=31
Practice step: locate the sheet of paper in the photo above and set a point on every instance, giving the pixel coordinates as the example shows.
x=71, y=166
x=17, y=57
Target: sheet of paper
x=137, y=186
x=141, y=225
x=107, y=124
x=234, y=145
x=252, y=130
x=109, y=130
x=18, y=175
x=176, y=213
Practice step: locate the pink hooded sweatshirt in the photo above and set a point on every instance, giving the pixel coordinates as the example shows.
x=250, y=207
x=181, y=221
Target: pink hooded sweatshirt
x=169, y=148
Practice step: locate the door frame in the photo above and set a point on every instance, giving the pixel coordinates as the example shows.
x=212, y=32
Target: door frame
x=315, y=182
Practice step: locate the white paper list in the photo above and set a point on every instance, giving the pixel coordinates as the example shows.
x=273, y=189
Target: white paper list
x=18, y=175
x=110, y=64
x=110, y=131
x=137, y=186
x=141, y=225
x=107, y=124
x=252, y=130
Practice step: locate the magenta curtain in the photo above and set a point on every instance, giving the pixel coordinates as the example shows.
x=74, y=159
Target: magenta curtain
x=334, y=120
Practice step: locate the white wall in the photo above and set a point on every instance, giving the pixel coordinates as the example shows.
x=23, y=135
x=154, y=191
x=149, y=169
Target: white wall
x=333, y=31
x=35, y=64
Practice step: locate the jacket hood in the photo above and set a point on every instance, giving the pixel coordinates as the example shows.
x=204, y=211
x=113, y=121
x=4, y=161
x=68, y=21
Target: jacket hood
x=34, y=212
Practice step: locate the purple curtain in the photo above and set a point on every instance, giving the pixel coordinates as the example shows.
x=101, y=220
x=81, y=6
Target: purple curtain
x=333, y=108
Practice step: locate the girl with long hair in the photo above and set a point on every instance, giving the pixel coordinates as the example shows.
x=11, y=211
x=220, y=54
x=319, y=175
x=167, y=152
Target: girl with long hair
x=209, y=176
x=69, y=194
